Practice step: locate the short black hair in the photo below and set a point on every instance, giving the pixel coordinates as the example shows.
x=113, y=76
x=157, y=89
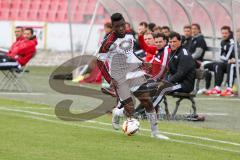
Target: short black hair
x=19, y=27
x=29, y=29
x=226, y=28
x=166, y=27
x=198, y=26
x=116, y=17
x=175, y=34
x=151, y=26
x=158, y=35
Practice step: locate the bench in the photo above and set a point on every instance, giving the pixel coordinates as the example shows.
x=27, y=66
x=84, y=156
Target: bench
x=182, y=96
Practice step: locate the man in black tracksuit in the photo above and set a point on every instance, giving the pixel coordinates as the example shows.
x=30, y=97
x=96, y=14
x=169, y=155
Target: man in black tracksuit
x=187, y=37
x=182, y=70
x=222, y=66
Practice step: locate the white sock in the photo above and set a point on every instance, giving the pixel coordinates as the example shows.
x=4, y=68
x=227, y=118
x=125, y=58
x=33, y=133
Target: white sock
x=119, y=112
x=153, y=121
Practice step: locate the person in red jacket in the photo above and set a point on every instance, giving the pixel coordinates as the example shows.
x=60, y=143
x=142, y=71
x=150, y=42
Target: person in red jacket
x=21, y=52
x=19, y=37
x=159, y=52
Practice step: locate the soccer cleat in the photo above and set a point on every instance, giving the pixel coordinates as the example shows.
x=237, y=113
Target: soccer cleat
x=115, y=120
x=214, y=91
x=227, y=92
x=159, y=136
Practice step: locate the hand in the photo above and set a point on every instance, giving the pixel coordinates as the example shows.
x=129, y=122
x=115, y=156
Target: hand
x=231, y=61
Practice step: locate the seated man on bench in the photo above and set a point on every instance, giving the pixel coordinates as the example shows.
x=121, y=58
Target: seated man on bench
x=21, y=51
x=182, y=70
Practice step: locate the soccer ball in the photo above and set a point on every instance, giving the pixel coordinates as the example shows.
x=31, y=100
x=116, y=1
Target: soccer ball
x=130, y=126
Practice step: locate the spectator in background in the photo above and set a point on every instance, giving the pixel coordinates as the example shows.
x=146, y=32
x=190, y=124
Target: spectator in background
x=143, y=26
x=157, y=29
x=221, y=67
x=21, y=52
x=149, y=40
x=151, y=26
x=166, y=31
x=187, y=37
x=107, y=29
x=129, y=29
x=19, y=36
x=158, y=50
x=198, y=44
x=231, y=70
x=181, y=72
x=18, y=33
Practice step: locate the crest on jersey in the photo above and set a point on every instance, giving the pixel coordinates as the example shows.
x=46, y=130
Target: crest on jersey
x=126, y=45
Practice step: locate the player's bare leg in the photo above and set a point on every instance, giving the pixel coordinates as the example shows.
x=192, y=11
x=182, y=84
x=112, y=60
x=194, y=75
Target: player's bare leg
x=146, y=101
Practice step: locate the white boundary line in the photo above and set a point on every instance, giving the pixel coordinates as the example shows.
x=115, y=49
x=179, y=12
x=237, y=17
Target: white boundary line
x=111, y=130
x=108, y=124
x=22, y=93
x=217, y=98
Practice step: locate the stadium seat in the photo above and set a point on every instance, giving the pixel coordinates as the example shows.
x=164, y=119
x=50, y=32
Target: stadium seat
x=78, y=17
x=61, y=17
x=13, y=14
x=42, y=15
x=4, y=13
x=23, y=15
x=33, y=15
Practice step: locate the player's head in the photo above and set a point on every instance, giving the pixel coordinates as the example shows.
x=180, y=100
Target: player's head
x=118, y=24
x=18, y=31
x=148, y=38
x=175, y=41
x=160, y=40
x=187, y=30
x=196, y=29
x=226, y=32
x=28, y=33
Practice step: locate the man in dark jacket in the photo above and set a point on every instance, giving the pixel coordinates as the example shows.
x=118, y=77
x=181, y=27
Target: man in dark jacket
x=181, y=76
x=187, y=37
x=198, y=44
x=220, y=67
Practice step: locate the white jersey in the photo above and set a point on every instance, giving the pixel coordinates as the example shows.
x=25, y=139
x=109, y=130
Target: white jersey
x=123, y=63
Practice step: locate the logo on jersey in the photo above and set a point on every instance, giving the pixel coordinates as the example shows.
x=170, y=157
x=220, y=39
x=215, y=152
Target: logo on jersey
x=126, y=45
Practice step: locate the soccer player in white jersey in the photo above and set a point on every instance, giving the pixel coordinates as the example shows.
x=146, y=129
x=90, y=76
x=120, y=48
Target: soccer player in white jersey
x=122, y=69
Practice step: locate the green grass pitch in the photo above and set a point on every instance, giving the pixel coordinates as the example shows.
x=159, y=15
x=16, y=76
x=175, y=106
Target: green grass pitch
x=29, y=130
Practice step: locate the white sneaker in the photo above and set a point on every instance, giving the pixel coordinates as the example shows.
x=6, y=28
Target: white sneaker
x=202, y=91
x=160, y=136
x=115, y=120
